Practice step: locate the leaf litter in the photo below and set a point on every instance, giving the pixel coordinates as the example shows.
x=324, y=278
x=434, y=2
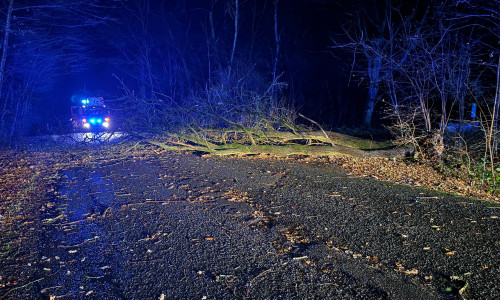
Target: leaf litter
x=20, y=172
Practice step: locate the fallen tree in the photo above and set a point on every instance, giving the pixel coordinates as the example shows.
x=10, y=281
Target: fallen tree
x=250, y=141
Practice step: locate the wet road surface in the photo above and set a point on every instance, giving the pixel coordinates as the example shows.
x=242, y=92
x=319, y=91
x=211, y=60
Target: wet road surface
x=181, y=226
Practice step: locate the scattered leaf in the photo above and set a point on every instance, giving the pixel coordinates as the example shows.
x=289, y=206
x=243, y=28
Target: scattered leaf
x=410, y=272
x=462, y=290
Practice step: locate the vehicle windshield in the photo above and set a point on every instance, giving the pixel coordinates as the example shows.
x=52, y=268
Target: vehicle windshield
x=96, y=110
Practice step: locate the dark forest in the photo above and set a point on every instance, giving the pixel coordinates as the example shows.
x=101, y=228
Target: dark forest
x=249, y=149
x=426, y=72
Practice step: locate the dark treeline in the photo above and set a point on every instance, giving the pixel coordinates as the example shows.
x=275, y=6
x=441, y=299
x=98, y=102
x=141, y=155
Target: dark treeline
x=433, y=70
x=168, y=58
x=42, y=41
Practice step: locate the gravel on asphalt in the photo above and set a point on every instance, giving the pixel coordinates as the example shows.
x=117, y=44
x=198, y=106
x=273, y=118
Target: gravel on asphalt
x=184, y=226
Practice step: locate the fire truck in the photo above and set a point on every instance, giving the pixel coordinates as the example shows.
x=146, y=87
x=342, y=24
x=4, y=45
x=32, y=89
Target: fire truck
x=90, y=115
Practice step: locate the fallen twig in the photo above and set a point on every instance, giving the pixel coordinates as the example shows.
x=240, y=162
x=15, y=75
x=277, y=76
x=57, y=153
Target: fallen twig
x=255, y=278
x=182, y=144
x=20, y=287
x=144, y=261
x=52, y=220
x=78, y=245
x=76, y=222
x=322, y=130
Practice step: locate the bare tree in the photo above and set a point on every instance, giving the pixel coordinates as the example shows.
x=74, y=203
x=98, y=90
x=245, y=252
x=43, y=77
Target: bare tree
x=5, y=45
x=274, y=89
x=375, y=38
x=235, y=13
x=41, y=41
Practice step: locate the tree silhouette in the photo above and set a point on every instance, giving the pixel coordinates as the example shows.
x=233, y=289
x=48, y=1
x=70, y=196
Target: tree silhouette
x=40, y=42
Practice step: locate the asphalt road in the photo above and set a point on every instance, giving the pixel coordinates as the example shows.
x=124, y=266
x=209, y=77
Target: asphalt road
x=181, y=226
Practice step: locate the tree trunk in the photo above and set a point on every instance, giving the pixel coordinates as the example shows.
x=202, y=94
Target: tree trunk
x=14, y=123
x=274, y=91
x=235, y=38
x=374, y=67
x=426, y=114
x=5, y=45
x=461, y=108
x=3, y=113
x=367, y=118
x=253, y=32
x=494, y=119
